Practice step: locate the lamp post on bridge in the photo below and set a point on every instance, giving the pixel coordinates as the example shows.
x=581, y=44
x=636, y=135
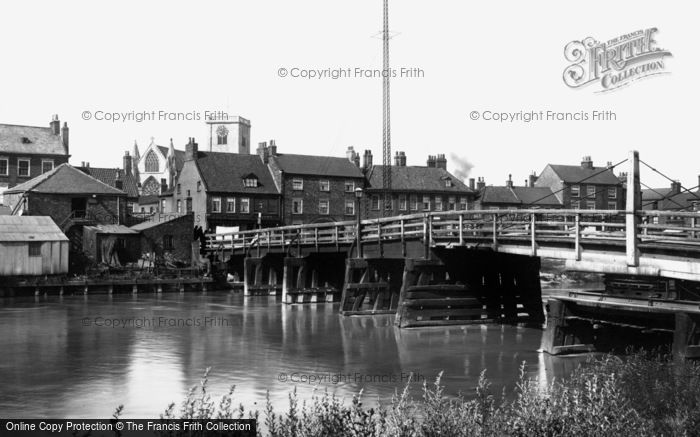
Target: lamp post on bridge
x=358, y=233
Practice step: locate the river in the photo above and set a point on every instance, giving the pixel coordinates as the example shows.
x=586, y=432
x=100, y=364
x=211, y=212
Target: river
x=82, y=356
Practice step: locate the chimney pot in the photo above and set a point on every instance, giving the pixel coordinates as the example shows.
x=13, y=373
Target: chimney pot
x=367, y=163
x=472, y=184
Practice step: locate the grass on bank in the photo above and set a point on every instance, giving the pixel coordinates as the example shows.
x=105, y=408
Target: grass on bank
x=642, y=394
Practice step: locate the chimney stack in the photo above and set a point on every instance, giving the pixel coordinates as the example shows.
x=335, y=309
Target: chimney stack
x=431, y=161
x=263, y=152
x=472, y=183
x=509, y=182
x=480, y=184
x=64, y=137
x=350, y=154
x=441, y=162
x=402, y=159
x=272, y=150
x=127, y=163
x=675, y=187
x=367, y=163
x=191, y=150
x=587, y=162
x=55, y=125
x=118, y=183
x=532, y=179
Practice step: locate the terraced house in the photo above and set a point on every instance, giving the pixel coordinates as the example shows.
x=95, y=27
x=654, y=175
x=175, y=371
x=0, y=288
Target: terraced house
x=226, y=190
x=315, y=189
x=29, y=151
x=415, y=189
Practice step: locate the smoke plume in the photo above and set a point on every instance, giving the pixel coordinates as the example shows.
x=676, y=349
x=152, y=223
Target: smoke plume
x=462, y=167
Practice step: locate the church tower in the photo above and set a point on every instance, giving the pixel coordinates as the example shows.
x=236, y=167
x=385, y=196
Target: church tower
x=229, y=134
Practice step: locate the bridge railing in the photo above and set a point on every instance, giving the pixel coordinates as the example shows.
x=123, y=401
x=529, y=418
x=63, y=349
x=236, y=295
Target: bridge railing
x=536, y=226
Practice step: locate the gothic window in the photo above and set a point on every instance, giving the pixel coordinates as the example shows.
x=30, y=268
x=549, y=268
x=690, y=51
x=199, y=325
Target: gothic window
x=151, y=162
x=150, y=187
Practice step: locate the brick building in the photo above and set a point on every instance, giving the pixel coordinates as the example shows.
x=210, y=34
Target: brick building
x=415, y=189
x=673, y=198
x=168, y=236
x=315, y=189
x=120, y=178
x=226, y=190
x=28, y=151
x=583, y=186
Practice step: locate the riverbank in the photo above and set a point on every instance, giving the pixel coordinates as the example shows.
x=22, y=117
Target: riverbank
x=637, y=395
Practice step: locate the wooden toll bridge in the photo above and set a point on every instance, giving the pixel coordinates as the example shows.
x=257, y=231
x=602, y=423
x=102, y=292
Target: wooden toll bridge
x=471, y=266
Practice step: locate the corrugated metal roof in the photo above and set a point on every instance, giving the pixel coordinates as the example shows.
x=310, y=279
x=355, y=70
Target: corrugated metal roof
x=29, y=228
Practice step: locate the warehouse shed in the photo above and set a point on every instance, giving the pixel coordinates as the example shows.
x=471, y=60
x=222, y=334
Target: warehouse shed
x=32, y=246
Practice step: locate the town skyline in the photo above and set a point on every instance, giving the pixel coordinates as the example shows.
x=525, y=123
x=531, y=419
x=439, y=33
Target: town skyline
x=325, y=116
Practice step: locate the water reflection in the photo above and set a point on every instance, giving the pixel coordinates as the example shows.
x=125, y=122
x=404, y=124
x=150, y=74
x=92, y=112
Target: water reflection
x=54, y=363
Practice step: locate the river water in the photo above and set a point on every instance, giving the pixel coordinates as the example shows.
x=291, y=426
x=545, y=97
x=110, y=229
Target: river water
x=82, y=356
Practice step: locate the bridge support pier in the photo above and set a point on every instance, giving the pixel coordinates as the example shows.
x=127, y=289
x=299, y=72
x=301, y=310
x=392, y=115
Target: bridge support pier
x=686, y=336
x=260, y=276
x=312, y=279
x=371, y=286
x=465, y=286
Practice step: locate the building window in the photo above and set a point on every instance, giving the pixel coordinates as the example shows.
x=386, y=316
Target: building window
x=23, y=167
x=250, y=182
x=414, y=202
x=4, y=166
x=188, y=205
x=463, y=203
x=426, y=203
x=349, y=207
x=575, y=190
x=448, y=183
x=245, y=205
x=152, y=165
x=438, y=203
x=612, y=205
x=297, y=206
x=451, y=203
x=612, y=193
x=230, y=205
x=46, y=165
x=323, y=207
x=168, y=242
x=590, y=191
x=199, y=186
x=216, y=204
x=221, y=139
x=179, y=206
x=324, y=185
x=575, y=204
x=34, y=249
x=403, y=202
x=143, y=209
x=162, y=205
x=297, y=184
x=179, y=189
x=590, y=204
x=349, y=186
x=189, y=194
x=375, y=202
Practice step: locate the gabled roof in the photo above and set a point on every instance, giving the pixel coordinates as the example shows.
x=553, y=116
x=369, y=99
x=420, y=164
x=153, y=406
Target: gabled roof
x=65, y=179
x=414, y=178
x=109, y=177
x=664, y=199
x=42, y=141
x=29, y=228
x=575, y=173
x=317, y=165
x=224, y=173
x=523, y=196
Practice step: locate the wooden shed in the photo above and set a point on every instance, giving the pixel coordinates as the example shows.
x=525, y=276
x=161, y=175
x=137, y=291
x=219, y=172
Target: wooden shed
x=32, y=246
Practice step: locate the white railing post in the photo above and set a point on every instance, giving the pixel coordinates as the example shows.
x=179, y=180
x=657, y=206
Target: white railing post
x=633, y=203
x=694, y=224
x=533, y=240
x=461, y=230
x=495, y=232
x=577, y=236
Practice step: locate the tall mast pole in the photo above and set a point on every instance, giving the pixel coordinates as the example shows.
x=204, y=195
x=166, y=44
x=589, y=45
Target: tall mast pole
x=386, y=117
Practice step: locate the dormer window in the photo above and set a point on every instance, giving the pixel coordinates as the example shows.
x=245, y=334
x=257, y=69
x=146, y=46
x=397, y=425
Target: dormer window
x=448, y=183
x=250, y=181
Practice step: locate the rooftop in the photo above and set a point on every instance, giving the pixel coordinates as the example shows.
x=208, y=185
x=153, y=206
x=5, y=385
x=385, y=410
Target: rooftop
x=317, y=165
x=30, y=140
x=65, y=179
x=593, y=175
x=29, y=228
x=109, y=177
x=415, y=178
x=224, y=173
x=523, y=196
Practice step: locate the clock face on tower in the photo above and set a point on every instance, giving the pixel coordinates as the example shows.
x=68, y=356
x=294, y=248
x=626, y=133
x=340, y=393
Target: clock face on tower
x=222, y=131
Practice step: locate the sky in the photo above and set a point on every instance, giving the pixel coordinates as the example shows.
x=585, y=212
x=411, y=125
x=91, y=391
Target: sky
x=508, y=56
